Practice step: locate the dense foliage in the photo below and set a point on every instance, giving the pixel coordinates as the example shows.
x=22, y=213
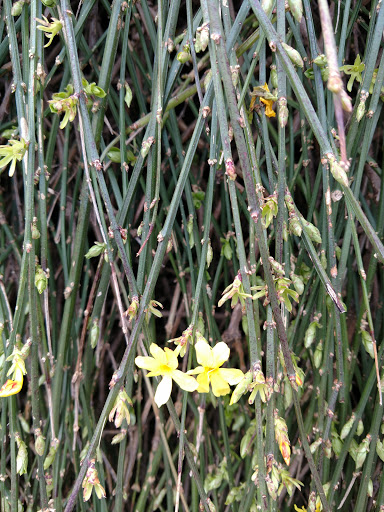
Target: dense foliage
x=192, y=209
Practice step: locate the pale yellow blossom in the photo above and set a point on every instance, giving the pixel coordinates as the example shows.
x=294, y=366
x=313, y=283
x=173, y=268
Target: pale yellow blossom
x=164, y=363
x=210, y=371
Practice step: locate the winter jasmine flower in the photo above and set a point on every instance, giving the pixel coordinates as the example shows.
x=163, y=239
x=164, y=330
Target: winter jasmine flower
x=164, y=363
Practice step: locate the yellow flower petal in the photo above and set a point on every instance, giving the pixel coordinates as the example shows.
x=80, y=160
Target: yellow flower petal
x=196, y=371
x=203, y=382
x=285, y=450
x=87, y=491
x=148, y=363
x=219, y=385
x=220, y=354
x=204, y=354
x=158, y=353
x=185, y=381
x=232, y=375
x=269, y=112
x=12, y=387
x=163, y=391
x=171, y=358
x=100, y=491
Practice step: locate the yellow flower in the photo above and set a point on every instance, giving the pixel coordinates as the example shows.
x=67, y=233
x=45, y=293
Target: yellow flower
x=210, y=371
x=91, y=481
x=11, y=153
x=164, y=363
x=269, y=112
x=50, y=29
x=14, y=385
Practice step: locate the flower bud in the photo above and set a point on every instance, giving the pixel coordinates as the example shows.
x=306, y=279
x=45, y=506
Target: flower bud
x=298, y=283
x=119, y=437
x=276, y=267
x=209, y=254
x=346, y=102
x=120, y=409
x=22, y=456
x=49, y=3
x=321, y=60
x=94, y=333
x=323, y=260
x=35, y=232
x=128, y=95
x=39, y=443
x=310, y=334
x=288, y=393
x=41, y=279
x=294, y=225
x=283, y=112
x=114, y=155
x=368, y=343
x=360, y=428
x=241, y=388
x=318, y=355
x=296, y=8
x=235, y=70
x=337, y=445
x=25, y=349
x=271, y=487
x=338, y=172
x=17, y=8
x=230, y=170
x=50, y=458
x=274, y=76
x=183, y=57
x=190, y=231
x=314, y=446
x=360, y=111
x=328, y=449
x=202, y=38
x=362, y=452
x=380, y=449
x=347, y=427
x=96, y=249
x=312, y=231
x=294, y=55
x=146, y=146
